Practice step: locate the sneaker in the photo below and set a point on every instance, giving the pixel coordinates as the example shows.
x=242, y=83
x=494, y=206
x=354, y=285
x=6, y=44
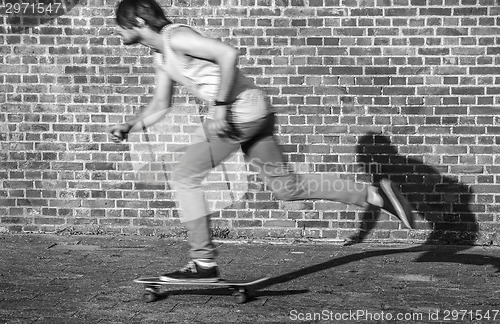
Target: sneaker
x=193, y=272
x=395, y=204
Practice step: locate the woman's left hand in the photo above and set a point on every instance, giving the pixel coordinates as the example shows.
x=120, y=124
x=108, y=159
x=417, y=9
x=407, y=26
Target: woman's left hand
x=219, y=125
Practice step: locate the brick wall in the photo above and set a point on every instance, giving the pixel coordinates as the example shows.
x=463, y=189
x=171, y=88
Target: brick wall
x=405, y=89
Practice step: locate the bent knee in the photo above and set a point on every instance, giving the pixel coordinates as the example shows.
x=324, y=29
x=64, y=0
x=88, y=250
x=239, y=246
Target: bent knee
x=185, y=178
x=177, y=175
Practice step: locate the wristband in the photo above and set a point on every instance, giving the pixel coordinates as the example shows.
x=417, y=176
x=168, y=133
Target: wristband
x=129, y=125
x=222, y=103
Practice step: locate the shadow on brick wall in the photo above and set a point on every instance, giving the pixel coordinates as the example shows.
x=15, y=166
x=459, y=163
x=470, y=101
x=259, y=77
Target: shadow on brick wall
x=442, y=201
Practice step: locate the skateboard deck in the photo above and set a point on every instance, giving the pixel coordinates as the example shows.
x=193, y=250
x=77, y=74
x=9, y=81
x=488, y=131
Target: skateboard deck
x=240, y=288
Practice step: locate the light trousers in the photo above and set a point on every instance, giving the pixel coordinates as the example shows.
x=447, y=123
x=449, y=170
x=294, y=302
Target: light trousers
x=264, y=155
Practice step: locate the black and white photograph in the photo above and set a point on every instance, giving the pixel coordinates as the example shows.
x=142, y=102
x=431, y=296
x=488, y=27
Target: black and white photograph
x=249, y=161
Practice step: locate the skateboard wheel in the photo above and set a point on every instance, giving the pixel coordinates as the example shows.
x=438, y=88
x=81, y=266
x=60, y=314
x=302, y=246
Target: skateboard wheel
x=149, y=297
x=240, y=297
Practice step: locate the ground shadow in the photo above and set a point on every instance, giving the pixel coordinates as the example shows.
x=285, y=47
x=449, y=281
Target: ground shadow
x=441, y=200
x=254, y=294
x=433, y=254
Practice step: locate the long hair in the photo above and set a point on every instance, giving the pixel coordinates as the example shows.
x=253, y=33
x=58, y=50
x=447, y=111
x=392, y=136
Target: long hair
x=128, y=11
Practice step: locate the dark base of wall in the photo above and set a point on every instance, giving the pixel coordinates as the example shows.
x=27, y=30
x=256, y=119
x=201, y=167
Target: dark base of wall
x=348, y=237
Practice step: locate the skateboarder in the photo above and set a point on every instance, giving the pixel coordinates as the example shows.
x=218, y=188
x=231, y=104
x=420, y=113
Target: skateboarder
x=242, y=117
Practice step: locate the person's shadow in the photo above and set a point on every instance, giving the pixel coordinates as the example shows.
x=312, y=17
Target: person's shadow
x=441, y=200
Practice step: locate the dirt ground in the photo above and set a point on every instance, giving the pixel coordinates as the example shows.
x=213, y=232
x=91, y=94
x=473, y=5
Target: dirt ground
x=48, y=278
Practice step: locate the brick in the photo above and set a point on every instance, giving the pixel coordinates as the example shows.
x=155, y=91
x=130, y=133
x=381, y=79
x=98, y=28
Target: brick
x=450, y=110
x=148, y=222
x=401, y=12
x=441, y=91
x=380, y=70
x=398, y=91
x=470, y=11
x=114, y=222
x=492, y=70
x=469, y=130
x=467, y=90
x=365, y=90
x=282, y=32
x=312, y=224
x=346, y=70
x=434, y=51
x=100, y=166
x=12, y=220
x=414, y=70
x=435, y=11
x=247, y=223
x=49, y=221
x=451, y=150
x=67, y=166
x=493, y=50
x=493, y=130
x=434, y=130
x=162, y=204
x=18, y=184
x=67, y=128
x=450, y=70
x=331, y=12
x=482, y=31
x=447, y=31
x=367, y=12
x=312, y=70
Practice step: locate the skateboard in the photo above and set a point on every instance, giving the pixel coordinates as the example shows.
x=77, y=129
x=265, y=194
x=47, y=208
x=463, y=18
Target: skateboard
x=240, y=288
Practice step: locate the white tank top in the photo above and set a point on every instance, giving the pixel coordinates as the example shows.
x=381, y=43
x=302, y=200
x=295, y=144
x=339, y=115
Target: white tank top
x=202, y=79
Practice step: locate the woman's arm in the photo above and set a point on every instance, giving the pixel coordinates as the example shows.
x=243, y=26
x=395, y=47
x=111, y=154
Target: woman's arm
x=154, y=111
x=185, y=41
